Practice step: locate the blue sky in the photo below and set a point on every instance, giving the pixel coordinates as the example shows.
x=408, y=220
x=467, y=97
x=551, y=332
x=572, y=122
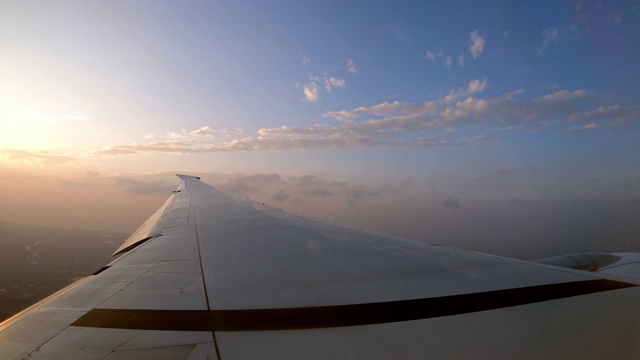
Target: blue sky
x=451, y=103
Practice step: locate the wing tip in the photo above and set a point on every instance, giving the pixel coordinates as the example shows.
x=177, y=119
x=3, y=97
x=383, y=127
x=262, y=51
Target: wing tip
x=183, y=176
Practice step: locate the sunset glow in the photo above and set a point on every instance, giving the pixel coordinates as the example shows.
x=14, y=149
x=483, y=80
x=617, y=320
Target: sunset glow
x=409, y=118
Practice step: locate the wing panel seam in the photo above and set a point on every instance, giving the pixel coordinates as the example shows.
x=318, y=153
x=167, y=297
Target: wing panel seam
x=204, y=282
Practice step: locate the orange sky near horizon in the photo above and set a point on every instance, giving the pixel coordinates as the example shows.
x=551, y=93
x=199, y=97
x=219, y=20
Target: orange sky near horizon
x=514, y=131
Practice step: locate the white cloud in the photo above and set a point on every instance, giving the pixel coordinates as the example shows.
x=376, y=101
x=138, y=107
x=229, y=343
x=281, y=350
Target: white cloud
x=204, y=132
x=311, y=93
x=614, y=113
x=333, y=82
x=396, y=32
x=304, y=60
x=551, y=37
x=474, y=86
x=477, y=44
x=555, y=39
x=210, y=131
x=351, y=66
x=312, y=90
x=589, y=126
x=460, y=108
x=477, y=138
x=448, y=61
x=477, y=85
x=403, y=124
x=564, y=95
x=434, y=56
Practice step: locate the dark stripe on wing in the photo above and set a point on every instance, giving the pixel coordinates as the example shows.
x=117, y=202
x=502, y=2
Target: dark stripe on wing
x=339, y=315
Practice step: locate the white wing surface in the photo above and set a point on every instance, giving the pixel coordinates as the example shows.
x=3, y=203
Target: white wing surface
x=213, y=276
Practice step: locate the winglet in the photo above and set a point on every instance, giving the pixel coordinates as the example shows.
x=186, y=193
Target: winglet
x=150, y=228
x=183, y=177
x=147, y=230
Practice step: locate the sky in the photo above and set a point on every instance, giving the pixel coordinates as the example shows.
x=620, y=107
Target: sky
x=499, y=126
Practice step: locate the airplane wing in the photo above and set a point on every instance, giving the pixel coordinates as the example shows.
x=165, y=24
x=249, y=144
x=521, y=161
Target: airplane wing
x=213, y=276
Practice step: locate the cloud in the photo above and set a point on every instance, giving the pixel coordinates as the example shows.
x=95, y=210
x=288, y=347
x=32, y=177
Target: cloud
x=136, y=186
x=477, y=44
x=551, y=37
x=462, y=108
x=473, y=87
x=438, y=57
x=434, y=123
x=246, y=183
x=614, y=113
x=338, y=139
x=398, y=33
x=477, y=138
x=304, y=60
x=280, y=195
x=298, y=189
x=385, y=109
x=477, y=86
x=564, y=95
x=210, y=131
x=314, y=186
x=203, y=132
x=311, y=93
x=319, y=192
x=448, y=61
x=451, y=203
x=476, y=48
x=553, y=40
x=351, y=66
x=312, y=90
x=333, y=82
x=173, y=147
x=589, y=126
x=500, y=181
x=35, y=157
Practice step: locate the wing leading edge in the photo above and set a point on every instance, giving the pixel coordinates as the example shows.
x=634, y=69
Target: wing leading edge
x=211, y=274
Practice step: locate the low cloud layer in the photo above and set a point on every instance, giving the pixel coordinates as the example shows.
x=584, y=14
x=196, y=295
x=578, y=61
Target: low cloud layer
x=144, y=188
x=419, y=209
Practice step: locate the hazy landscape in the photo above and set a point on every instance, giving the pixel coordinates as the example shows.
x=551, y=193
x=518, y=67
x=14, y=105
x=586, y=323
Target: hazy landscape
x=505, y=128
x=36, y=261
